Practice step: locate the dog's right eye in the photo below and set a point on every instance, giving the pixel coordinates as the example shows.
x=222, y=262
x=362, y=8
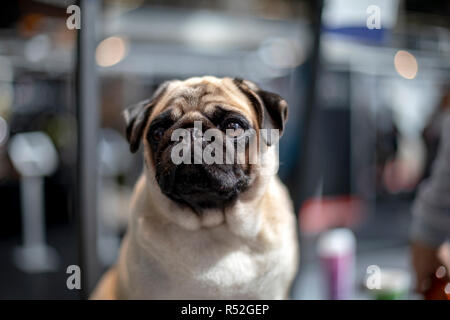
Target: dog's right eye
x=157, y=134
x=234, y=129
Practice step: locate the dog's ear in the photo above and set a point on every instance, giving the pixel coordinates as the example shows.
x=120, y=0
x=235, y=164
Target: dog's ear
x=272, y=109
x=136, y=117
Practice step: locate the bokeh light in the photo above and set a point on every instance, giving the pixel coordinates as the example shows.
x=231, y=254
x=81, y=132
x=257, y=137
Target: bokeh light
x=111, y=51
x=406, y=64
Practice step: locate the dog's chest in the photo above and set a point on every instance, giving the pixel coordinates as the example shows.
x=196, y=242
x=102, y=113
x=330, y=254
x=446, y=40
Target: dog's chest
x=199, y=270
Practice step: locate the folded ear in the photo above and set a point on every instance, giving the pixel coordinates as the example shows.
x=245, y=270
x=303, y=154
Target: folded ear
x=136, y=117
x=272, y=109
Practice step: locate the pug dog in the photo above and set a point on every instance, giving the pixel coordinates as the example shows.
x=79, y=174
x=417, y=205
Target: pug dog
x=202, y=230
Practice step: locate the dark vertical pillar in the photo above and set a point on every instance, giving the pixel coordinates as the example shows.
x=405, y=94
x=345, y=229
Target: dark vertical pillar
x=299, y=183
x=87, y=162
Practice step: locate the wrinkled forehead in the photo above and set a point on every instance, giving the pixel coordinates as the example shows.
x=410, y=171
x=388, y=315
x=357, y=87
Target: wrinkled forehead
x=203, y=95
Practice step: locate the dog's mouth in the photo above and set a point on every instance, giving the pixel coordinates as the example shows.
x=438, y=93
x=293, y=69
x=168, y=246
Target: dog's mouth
x=202, y=186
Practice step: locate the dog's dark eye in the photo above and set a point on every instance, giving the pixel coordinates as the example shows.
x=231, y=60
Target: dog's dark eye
x=234, y=129
x=157, y=134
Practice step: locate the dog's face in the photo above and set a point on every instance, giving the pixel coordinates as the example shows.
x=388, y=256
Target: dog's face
x=179, y=121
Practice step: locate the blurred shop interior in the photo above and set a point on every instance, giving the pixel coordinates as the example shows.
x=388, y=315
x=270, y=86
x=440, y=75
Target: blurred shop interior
x=364, y=122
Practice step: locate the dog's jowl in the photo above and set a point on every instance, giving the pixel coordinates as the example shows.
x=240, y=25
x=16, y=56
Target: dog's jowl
x=209, y=217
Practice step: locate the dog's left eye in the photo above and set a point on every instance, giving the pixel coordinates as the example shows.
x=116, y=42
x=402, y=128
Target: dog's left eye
x=157, y=134
x=234, y=129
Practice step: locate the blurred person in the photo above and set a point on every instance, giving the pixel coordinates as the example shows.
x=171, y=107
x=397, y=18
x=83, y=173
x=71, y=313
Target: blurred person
x=430, y=229
x=432, y=132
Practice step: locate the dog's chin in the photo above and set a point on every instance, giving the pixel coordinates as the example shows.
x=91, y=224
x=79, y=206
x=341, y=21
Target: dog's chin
x=202, y=186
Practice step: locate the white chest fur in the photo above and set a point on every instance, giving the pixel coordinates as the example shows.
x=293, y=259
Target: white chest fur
x=164, y=262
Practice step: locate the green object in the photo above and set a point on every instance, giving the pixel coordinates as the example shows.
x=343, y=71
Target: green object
x=390, y=295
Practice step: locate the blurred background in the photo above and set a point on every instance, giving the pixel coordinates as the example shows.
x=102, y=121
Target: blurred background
x=367, y=82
